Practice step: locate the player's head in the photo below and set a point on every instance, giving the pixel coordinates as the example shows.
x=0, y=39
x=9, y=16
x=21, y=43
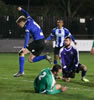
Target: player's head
x=67, y=41
x=56, y=69
x=60, y=23
x=21, y=21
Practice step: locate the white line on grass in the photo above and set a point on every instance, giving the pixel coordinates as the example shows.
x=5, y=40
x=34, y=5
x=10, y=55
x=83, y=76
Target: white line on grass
x=16, y=80
x=71, y=88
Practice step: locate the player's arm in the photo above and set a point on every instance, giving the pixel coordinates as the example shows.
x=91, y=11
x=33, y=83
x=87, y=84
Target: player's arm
x=51, y=90
x=27, y=37
x=61, y=56
x=76, y=60
x=57, y=88
x=22, y=10
x=69, y=34
x=51, y=36
x=63, y=62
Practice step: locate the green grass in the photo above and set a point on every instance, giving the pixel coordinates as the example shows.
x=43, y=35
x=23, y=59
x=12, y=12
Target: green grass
x=21, y=88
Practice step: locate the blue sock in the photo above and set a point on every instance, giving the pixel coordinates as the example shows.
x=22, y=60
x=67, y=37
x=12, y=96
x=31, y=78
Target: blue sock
x=21, y=64
x=83, y=73
x=55, y=61
x=36, y=59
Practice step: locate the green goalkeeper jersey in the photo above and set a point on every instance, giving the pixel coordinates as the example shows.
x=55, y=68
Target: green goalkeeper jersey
x=45, y=82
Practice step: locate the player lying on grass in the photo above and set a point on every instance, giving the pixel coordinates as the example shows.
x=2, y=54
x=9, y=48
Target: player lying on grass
x=70, y=62
x=45, y=82
x=92, y=49
x=34, y=48
x=60, y=32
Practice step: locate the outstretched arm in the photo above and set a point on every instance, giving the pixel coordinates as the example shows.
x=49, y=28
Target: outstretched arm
x=27, y=36
x=69, y=34
x=22, y=10
x=51, y=36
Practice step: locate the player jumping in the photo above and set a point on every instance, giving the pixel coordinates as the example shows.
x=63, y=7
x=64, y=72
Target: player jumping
x=60, y=32
x=35, y=48
x=70, y=62
x=45, y=82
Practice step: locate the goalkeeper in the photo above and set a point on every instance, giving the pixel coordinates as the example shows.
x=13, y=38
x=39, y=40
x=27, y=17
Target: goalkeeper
x=70, y=62
x=45, y=81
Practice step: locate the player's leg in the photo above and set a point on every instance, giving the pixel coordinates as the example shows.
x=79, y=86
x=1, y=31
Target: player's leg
x=59, y=87
x=34, y=58
x=83, y=69
x=55, y=59
x=56, y=53
x=22, y=53
x=66, y=77
x=36, y=48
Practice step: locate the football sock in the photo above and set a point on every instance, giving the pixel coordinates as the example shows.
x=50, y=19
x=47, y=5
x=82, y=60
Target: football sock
x=21, y=64
x=36, y=59
x=55, y=61
x=83, y=73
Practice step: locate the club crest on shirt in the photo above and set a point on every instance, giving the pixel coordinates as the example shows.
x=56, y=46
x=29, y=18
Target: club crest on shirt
x=71, y=52
x=64, y=53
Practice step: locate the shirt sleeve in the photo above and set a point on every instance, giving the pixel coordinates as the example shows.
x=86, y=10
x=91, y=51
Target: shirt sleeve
x=63, y=60
x=51, y=36
x=26, y=13
x=27, y=36
x=76, y=58
x=61, y=55
x=69, y=34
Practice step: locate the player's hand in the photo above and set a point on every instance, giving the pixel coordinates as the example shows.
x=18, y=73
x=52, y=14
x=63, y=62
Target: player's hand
x=45, y=41
x=75, y=43
x=59, y=77
x=63, y=89
x=65, y=68
x=19, y=8
x=22, y=50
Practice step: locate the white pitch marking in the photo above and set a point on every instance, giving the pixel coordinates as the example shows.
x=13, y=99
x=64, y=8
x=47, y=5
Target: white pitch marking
x=71, y=88
x=16, y=80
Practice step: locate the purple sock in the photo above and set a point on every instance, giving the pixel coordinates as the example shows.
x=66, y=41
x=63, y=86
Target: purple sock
x=83, y=73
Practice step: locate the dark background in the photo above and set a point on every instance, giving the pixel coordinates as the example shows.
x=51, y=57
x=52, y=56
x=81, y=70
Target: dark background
x=46, y=12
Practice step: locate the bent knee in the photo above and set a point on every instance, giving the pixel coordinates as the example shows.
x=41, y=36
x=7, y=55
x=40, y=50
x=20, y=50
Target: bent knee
x=30, y=60
x=58, y=86
x=21, y=53
x=84, y=67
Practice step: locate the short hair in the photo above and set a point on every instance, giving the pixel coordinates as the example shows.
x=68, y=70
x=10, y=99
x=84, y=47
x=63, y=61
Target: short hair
x=20, y=19
x=56, y=67
x=68, y=37
x=60, y=20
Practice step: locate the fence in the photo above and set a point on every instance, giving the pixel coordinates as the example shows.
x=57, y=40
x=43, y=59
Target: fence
x=80, y=28
x=12, y=37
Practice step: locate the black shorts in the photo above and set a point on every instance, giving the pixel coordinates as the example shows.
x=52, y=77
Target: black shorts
x=56, y=50
x=36, y=47
x=71, y=74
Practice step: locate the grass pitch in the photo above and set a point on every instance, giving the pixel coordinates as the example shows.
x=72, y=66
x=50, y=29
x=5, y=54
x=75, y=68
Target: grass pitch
x=21, y=88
